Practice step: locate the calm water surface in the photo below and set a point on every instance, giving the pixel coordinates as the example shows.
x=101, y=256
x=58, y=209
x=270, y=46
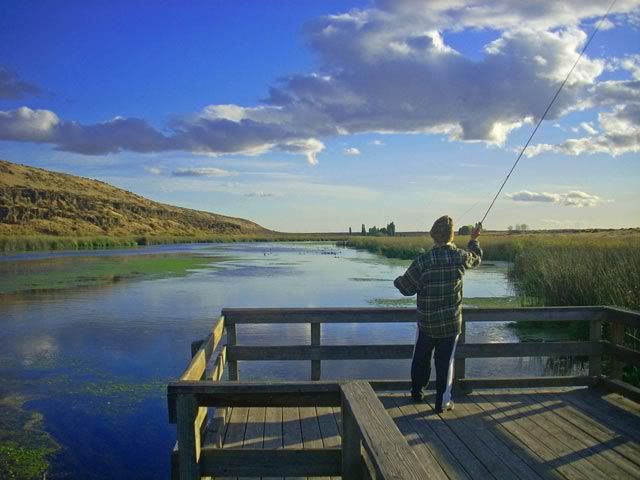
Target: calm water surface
x=95, y=361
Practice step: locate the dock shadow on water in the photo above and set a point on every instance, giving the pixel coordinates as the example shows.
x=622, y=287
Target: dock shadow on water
x=83, y=370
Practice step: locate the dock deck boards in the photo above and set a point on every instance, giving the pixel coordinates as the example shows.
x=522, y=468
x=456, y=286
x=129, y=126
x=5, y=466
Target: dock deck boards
x=565, y=433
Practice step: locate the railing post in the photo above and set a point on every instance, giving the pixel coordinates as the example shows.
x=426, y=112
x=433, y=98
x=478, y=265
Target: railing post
x=595, y=361
x=188, y=437
x=617, y=338
x=232, y=340
x=351, y=444
x=315, y=341
x=459, y=364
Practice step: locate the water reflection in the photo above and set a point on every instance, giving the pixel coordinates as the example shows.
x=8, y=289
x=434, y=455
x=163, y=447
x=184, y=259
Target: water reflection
x=95, y=360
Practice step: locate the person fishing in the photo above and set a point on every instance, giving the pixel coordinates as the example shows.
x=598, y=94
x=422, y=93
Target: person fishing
x=436, y=276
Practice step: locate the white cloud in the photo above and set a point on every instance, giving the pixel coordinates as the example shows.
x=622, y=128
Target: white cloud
x=153, y=170
x=621, y=134
x=261, y=194
x=383, y=69
x=352, y=151
x=378, y=143
x=202, y=172
x=587, y=127
x=573, y=198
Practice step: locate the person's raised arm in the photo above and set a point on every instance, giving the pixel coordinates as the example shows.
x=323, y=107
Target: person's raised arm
x=473, y=255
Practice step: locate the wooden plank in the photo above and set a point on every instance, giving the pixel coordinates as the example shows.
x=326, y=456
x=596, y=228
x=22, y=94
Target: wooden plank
x=569, y=449
x=235, y=316
x=232, y=340
x=463, y=455
x=528, y=382
x=509, y=415
x=595, y=428
x=595, y=361
x=316, y=368
x=511, y=439
x=483, y=446
x=606, y=459
x=623, y=423
x=621, y=353
x=260, y=394
x=236, y=426
x=352, y=464
x=623, y=388
x=270, y=462
x=623, y=316
x=187, y=439
x=373, y=352
x=617, y=338
x=328, y=429
x=292, y=432
x=196, y=368
x=474, y=419
x=422, y=451
x=420, y=422
x=253, y=433
x=311, y=436
x=272, y=432
x=389, y=452
x=217, y=372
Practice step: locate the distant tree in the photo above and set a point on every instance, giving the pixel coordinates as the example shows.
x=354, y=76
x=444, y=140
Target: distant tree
x=391, y=229
x=524, y=227
x=364, y=231
x=510, y=228
x=465, y=230
x=373, y=230
x=383, y=231
x=349, y=230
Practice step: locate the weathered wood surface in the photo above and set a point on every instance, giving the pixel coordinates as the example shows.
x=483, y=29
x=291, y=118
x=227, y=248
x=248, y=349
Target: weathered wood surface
x=260, y=394
x=623, y=316
x=377, y=352
x=564, y=433
x=235, y=316
x=390, y=456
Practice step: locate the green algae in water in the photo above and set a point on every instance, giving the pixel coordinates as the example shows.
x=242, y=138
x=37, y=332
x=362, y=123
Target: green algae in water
x=79, y=271
x=25, y=447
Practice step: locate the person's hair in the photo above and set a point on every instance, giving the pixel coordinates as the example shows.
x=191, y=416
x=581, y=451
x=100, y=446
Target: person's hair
x=442, y=230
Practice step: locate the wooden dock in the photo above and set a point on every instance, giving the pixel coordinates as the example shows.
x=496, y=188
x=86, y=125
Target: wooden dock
x=556, y=427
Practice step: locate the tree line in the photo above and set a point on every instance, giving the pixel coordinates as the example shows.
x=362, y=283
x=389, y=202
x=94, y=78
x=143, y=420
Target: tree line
x=389, y=230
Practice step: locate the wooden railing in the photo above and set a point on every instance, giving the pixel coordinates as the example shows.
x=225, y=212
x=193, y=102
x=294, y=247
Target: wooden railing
x=364, y=421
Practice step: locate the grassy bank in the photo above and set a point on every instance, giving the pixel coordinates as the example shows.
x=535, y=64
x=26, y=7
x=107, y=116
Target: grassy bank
x=27, y=243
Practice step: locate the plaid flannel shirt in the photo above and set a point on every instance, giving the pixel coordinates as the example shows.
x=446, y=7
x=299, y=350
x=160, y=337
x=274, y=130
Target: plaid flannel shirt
x=436, y=276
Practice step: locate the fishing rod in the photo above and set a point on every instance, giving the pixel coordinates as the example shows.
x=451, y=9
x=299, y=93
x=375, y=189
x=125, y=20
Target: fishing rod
x=546, y=112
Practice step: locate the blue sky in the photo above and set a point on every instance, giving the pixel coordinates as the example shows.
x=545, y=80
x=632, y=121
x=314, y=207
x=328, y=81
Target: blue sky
x=316, y=116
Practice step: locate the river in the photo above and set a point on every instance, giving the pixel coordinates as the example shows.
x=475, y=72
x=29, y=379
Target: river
x=87, y=366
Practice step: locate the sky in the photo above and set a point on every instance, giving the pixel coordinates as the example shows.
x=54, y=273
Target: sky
x=317, y=116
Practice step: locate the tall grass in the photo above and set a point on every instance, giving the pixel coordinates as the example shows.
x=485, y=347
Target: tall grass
x=495, y=247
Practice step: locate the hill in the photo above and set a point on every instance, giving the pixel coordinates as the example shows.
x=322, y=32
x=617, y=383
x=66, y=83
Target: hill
x=34, y=201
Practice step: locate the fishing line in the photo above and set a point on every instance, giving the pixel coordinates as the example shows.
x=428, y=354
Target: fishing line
x=547, y=110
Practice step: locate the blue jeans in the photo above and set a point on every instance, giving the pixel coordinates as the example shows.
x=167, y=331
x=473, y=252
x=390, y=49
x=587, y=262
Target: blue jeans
x=421, y=365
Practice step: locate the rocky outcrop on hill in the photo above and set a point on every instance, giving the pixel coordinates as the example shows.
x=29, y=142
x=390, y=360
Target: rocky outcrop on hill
x=36, y=201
